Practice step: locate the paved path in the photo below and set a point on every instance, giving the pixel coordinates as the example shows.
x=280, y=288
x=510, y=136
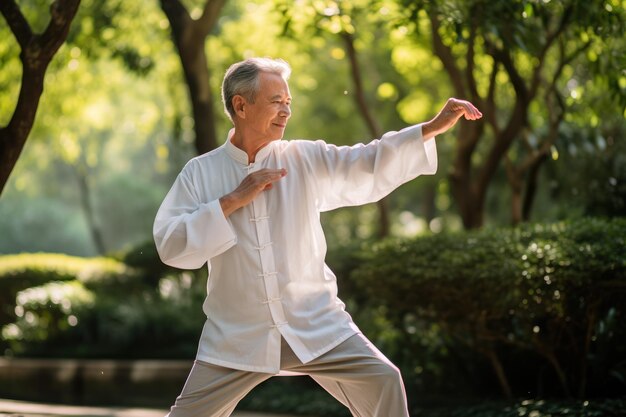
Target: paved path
x=12, y=408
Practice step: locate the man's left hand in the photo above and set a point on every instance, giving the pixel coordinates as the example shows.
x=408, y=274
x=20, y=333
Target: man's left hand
x=447, y=117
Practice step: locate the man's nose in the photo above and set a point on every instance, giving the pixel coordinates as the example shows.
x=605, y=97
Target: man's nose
x=285, y=111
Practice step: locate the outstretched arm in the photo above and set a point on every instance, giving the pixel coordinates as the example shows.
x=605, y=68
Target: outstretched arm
x=447, y=117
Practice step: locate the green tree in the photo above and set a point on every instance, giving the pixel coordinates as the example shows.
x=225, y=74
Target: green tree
x=37, y=50
x=112, y=126
x=515, y=60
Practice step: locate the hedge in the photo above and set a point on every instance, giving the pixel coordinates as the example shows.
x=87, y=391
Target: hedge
x=552, y=296
x=18, y=272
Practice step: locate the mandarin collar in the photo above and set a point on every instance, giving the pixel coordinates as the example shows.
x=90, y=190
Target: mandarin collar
x=240, y=156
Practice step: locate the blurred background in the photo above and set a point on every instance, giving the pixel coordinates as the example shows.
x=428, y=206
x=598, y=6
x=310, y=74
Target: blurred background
x=497, y=285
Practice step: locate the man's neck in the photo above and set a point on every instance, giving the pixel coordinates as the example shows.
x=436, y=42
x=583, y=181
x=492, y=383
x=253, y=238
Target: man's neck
x=246, y=142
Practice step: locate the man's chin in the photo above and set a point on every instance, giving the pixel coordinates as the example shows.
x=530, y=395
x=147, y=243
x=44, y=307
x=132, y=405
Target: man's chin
x=279, y=136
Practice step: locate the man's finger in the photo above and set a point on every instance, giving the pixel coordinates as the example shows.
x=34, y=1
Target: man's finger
x=268, y=176
x=470, y=111
x=277, y=174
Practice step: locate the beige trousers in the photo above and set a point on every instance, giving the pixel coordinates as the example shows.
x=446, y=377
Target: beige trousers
x=356, y=373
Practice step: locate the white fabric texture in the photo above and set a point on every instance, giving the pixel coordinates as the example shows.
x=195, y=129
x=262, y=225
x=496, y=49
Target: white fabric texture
x=267, y=275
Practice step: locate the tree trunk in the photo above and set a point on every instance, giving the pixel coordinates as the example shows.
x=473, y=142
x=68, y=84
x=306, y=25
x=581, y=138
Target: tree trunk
x=461, y=184
x=500, y=374
x=429, y=208
x=37, y=52
x=560, y=374
x=592, y=319
x=531, y=187
x=13, y=137
x=516, y=181
x=384, y=224
x=516, y=205
x=198, y=81
x=189, y=36
x=86, y=202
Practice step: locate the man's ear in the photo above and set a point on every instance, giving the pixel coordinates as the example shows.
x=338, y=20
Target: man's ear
x=239, y=106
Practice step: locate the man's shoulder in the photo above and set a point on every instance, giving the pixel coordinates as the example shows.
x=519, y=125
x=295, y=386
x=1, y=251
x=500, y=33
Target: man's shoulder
x=206, y=158
x=301, y=144
x=198, y=165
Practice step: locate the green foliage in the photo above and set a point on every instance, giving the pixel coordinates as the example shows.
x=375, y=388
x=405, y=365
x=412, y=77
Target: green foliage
x=100, y=307
x=301, y=396
x=19, y=272
x=532, y=408
x=598, y=186
x=293, y=395
x=130, y=326
x=145, y=259
x=46, y=313
x=550, y=293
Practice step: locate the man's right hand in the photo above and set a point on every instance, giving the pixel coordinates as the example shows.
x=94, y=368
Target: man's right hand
x=249, y=188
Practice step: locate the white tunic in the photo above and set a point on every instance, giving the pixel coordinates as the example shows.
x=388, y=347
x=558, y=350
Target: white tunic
x=267, y=275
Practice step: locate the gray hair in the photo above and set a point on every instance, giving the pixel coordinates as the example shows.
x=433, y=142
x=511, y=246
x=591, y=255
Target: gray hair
x=242, y=78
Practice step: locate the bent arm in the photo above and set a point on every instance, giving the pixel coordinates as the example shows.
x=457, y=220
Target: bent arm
x=188, y=232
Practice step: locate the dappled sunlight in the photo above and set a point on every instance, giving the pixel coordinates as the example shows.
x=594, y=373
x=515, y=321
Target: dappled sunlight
x=501, y=276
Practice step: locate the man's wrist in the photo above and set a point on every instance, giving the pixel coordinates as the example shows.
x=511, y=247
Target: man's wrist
x=429, y=130
x=228, y=204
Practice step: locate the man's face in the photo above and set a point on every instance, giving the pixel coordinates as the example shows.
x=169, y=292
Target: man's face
x=269, y=113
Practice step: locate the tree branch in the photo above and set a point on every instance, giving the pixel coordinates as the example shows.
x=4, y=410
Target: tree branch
x=469, y=69
x=511, y=173
x=359, y=95
x=211, y=12
x=62, y=13
x=551, y=37
x=16, y=21
x=507, y=62
x=447, y=58
x=179, y=18
x=490, y=110
x=555, y=117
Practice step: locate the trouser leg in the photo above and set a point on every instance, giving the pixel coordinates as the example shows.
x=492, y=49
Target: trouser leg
x=214, y=391
x=358, y=375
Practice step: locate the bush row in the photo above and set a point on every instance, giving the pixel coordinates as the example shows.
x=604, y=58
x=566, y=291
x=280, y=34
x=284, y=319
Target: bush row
x=303, y=398
x=542, y=306
x=19, y=272
x=125, y=307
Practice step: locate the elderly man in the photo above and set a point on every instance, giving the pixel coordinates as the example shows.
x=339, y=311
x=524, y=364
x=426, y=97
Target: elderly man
x=250, y=209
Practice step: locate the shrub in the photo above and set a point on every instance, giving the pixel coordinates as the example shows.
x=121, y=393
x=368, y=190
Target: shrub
x=18, y=272
x=46, y=313
x=145, y=258
x=532, y=408
x=67, y=319
x=547, y=295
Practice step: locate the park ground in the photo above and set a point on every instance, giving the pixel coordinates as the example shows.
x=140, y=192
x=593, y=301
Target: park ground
x=13, y=408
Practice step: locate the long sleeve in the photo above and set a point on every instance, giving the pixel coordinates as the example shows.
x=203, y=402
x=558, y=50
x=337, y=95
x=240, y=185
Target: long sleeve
x=360, y=174
x=187, y=231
